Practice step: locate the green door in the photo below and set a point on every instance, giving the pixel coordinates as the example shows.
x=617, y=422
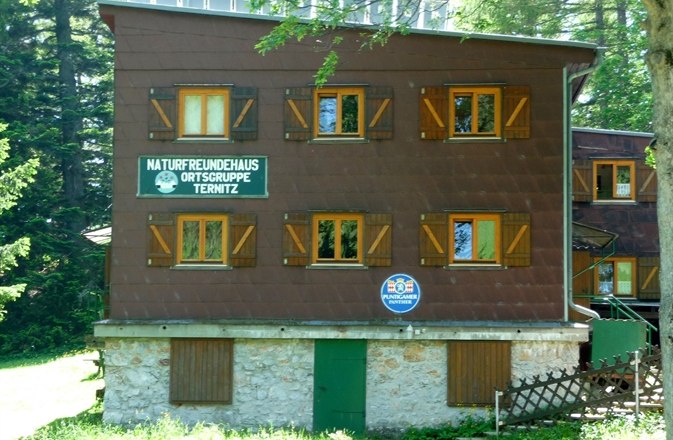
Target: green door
x=339, y=385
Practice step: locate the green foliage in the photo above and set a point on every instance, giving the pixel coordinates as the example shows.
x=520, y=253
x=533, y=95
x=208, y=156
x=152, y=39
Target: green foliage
x=618, y=94
x=650, y=425
x=12, y=183
x=469, y=427
x=64, y=277
x=89, y=425
x=324, y=20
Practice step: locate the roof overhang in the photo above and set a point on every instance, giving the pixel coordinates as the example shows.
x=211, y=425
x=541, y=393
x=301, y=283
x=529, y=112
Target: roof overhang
x=588, y=237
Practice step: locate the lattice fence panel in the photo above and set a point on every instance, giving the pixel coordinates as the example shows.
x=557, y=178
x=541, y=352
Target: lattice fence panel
x=601, y=390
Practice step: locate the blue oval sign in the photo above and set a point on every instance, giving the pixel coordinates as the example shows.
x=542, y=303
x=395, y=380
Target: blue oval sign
x=400, y=293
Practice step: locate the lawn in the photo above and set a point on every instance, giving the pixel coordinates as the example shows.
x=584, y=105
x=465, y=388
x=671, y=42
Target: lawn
x=55, y=400
x=45, y=390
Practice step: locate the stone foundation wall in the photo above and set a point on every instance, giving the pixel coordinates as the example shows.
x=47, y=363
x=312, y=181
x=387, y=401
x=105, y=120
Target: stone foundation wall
x=273, y=382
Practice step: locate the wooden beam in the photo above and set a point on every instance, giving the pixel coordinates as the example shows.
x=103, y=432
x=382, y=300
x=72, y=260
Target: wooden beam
x=161, y=112
x=160, y=239
x=433, y=112
x=245, y=110
x=379, y=112
x=296, y=239
x=650, y=275
x=433, y=239
x=379, y=237
x=516, y=111
x=241, y=242
x=581, y=179
x=517, y=239
x=297, y=113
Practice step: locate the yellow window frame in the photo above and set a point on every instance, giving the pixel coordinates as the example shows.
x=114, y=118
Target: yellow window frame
x=339, y=93
x=474, y=93
x=615, y=165
x=202, y=219
x=203, y=92
x=474, y=218
x=337, y=218
x=615, y=277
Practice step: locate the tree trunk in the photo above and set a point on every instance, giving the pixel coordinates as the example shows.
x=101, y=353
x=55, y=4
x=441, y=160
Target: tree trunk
x=659, y=27
x=71, y=122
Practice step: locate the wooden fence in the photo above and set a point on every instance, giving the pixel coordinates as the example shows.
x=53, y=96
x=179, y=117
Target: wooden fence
x=623, y=386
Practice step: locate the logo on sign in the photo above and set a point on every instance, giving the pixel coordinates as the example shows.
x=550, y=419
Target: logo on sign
x=400, y=293
x=166, y=182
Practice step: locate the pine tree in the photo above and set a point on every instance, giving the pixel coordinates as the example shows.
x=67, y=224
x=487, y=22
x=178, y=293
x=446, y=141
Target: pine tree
x=12, y=181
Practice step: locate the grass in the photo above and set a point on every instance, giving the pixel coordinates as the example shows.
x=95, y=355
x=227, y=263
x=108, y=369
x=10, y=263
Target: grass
x=75, y=372
x=89, y=426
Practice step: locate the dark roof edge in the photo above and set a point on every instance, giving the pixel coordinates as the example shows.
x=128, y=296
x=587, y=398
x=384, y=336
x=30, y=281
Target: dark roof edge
x=615, y=132
x=455, y=34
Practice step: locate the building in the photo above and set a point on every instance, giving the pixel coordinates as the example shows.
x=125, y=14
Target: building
x=614, y=190
x=377, y=253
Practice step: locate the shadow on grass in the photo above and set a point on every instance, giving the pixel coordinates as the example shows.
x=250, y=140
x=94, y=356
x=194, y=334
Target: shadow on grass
x=83, y=425
x=29, y=359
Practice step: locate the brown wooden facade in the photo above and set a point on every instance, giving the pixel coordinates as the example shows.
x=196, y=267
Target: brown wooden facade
x=401, y=174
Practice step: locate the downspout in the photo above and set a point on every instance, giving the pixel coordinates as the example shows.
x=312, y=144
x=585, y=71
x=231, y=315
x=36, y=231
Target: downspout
x=567, y=192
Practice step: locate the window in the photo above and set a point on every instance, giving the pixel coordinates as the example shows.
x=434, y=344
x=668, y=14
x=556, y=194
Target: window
x=614, y=180
x=214, y=113
x=201, y=371
x=338, y=114
x=207, y=240
x=616, y=276
x=475, y=239
x=202, y=239
x=476, y=369
x=337, y=238
x=203, y=112
x=475, y=111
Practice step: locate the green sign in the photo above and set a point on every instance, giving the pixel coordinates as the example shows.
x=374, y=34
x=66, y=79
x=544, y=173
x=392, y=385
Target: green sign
x=202, y=176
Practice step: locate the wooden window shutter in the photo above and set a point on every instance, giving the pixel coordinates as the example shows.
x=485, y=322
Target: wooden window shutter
x=161, y=239
x=378, y=242
x=516, y=242
x=583, y=280
x=476, y=369
x=516, y=112
x=243, y=240
x=296, y=239
x=298, y=113
x=162, y=112
x=434, y=232
x=243, y=112
x=646, y=183
x=648, y=278
x=434, y=112
x=582, y=180
x=379, y=111
x=201, y=370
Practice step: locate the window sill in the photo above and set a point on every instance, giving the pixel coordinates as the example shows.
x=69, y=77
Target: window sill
x=340, y=140
x=198, y=140
x=614, y=202
x=337, y=266
x=474, y=266
x=475, y=139
x=201, y=267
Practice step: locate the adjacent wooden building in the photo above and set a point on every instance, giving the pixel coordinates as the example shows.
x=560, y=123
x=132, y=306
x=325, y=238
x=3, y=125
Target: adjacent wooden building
x=614, y=190
x=380, y=252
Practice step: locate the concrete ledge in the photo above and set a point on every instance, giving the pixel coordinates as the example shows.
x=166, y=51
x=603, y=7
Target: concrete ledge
x=478, y=330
